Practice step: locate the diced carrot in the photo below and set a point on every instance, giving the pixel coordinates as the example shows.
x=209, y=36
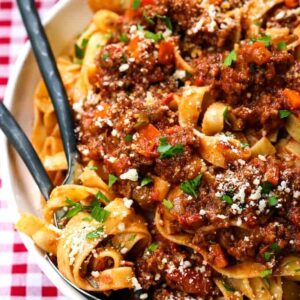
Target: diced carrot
x=173, y=129
x=166, y=53
x=291, y=3
x=272, y=173
x=147, y=139
x=293, y=98
x=256, y=53
x=104, y=112
x=133, y=48
x=217, y=256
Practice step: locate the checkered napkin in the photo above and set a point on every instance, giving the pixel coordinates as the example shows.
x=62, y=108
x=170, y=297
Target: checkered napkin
x=20, y=277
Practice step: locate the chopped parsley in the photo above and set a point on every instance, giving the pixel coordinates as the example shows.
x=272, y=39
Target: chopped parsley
x=87, y=219
x=105, y=56
x=76, y=208
x=153, y=247
x=265, y=39
x=124, y=37
x=99, y=214
x=167, y=21
x=156, y=37
x=95, y=234
x=275, y=247
x=102, y=197
x=146, y=181
x=284, y=113
x=112, y=179
x=79, y=53
x=228, y=287
x=225, y=116
x=128, y=137
x=226, y=198
x=266, y=273
x=244, y=145
x=266, y=187
x=167, y=204
x=230, y=58
x=281, y=46
x=273, y=200
x=84, y=43
x=136, y=4
x=168, y=151
x=92, y=168
x=132, y=238
x=148, y=19
x=267, y=255
x=140, y=27
x=190, y=186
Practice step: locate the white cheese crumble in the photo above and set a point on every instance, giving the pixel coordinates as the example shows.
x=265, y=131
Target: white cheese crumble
x=123, y=67
x=131, y=174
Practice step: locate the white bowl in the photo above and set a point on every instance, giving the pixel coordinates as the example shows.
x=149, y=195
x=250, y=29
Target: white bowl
x=64, y=22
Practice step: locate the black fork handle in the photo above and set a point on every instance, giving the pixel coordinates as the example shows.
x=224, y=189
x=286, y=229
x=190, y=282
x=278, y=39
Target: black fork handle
x=22, y=145
x=47, y=65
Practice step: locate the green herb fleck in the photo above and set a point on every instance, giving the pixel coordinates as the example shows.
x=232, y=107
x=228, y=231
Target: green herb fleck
x=92, y=168
x=167, y=204
x=124, y=37
x=129, y=137
x=267, y=255
x=102, y=197
x=225, y=115
x=136, y=4
x=112, y=179
x=226, y=198
x=281, y=46
x=96, y=233
x=228, y=287
x=230, y=58
x=140, y=27
x=146, y=181
x=84, y=43
x=244, y=145
x=190, y=186
x=168, y=151
x=273, y=200
x=79, y=53
x=153, y=247
x=265, y=273
x=167, y=21
x=132, y=238
x=87, y=219
x=275, y=247
x=105, y=56
x=266, y=187
x=99, y=214
x=156, y=37
x=266, y=39
x=148, y=19
x=76, y=208
x=284, y=113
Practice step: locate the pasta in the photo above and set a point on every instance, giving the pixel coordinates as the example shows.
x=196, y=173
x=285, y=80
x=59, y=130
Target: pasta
x=187, y=122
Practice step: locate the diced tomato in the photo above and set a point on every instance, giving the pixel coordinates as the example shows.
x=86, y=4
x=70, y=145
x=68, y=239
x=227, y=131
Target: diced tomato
x=119, y=166
x=104, y=112
x=191, y=220
x=217, y=256
x=168, y=99
x=199, y=81
x=291, y=3
x=293, y=98
x=166, y=53
x=272, y=173
x=147, y=140
x=147, y=2
x=257, y=53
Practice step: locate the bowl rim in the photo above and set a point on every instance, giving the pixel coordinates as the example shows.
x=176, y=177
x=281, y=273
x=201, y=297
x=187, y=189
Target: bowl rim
x=7, y=186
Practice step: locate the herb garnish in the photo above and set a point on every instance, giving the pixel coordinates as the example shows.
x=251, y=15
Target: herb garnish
x=167, y=204
x=273, y=200
x=99, y=213
x=124, y=37
x=228, y=287
x=102, y=197
x=265, y=39
x=167, y=21
x=112, y=179
x=156, y=37
x=168, y=151
x=92, y=168
x=265, y=273
x=225, y=116
x=226, y=198
x=284, y=113
x=153, y=247
x=230, y=58
x=266, y=187
x=128, y=137
x=96, y=233
x=136, y=4
x=76, y=208
x=281, y=46
x=146, y=181
x=190, y=186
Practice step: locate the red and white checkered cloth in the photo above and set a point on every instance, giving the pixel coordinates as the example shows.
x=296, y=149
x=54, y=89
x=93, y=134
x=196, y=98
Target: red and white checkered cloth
x=20, y=277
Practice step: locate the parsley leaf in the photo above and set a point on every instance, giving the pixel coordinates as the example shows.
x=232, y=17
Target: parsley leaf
x=153, y=247
x=148, y=19
x=99, y=214
x=284, y=113
x=124, y=37
x=92, y=168
x=136, y=4
x=112, y=179
x=266, y=39
x=265, y=273
x=273, y=200
x=281, y=46
x=84, y=43
x=146, y=181
x=190, y=186
x=156, y=37
x=244, y=145
x=79, y=53
x=228, y=287
x=167, y=21
x=76, y=208
x=225, y=115
x=226, y=198
x=128, y=137
x=230, y=58
x=267, y=256
x=102, y=197
x=266, y=187
x=167, y=204
x=275, y=247
x=132, y=238
x=96, y=233
x=168, y=151
x=105, y=56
